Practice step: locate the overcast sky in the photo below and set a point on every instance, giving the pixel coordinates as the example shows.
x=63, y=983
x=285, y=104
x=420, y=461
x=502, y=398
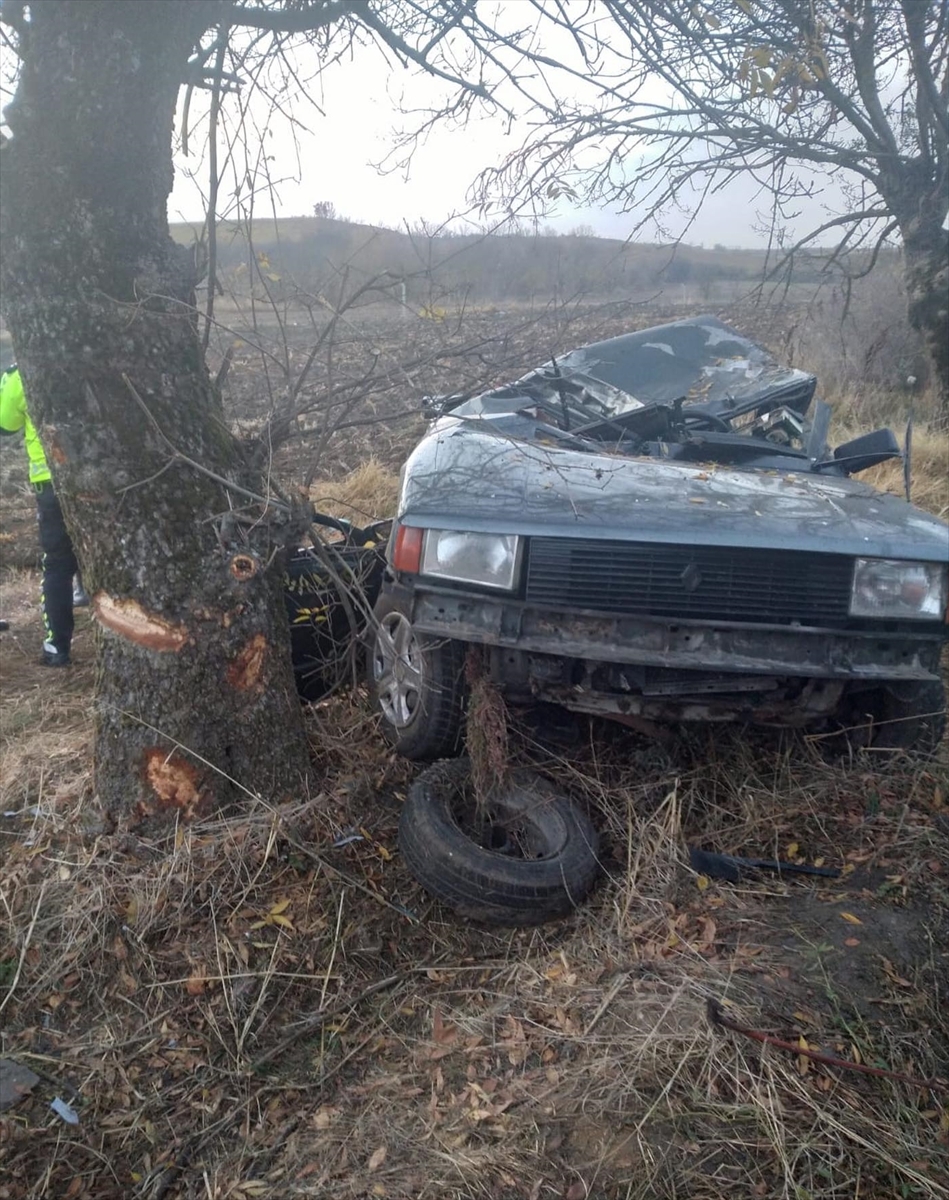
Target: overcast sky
x=332, y=155
x=344, y=127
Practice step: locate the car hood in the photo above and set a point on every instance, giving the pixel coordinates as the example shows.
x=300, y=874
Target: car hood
x=473, y=474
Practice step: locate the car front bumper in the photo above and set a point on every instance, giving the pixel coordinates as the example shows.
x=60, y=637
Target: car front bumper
x=687, y=645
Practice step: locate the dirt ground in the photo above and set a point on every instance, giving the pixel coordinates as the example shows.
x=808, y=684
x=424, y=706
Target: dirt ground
x=267, y=1005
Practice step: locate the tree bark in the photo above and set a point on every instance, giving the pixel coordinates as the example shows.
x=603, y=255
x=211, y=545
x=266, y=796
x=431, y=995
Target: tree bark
x=195, y=701
x=926, y=272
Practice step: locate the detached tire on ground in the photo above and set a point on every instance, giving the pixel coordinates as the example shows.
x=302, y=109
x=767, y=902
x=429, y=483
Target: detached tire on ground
x=418, y=686
x=530, y=855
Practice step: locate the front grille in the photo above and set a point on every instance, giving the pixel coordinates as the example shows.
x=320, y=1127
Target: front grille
x=717, y=583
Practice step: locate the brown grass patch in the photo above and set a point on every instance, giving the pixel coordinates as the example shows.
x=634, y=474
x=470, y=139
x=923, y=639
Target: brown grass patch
x=368, y=493
x=269, y=1006
x=929, y=475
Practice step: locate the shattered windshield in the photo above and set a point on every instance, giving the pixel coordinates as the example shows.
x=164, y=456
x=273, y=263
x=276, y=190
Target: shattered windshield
x=670, y=383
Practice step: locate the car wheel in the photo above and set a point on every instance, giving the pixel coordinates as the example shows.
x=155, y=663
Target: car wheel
x=908, y=717
x=418, y=686
x=525, y=856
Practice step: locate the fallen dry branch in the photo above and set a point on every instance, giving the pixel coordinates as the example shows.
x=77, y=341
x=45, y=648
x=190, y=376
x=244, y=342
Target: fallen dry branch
x=717, y=1017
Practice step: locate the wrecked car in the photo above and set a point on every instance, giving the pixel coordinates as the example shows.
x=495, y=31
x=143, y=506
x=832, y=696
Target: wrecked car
x=655, y=527
x=652, y=528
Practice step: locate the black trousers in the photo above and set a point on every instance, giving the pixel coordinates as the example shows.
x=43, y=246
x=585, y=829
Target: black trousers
x=59, y=566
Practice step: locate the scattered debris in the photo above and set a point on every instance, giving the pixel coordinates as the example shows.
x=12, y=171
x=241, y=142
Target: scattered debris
x=347, y=838
x=16, y=1081
x=729, y=867
x=64, y=1110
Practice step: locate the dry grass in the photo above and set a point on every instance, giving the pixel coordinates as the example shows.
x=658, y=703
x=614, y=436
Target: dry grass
x=368, y=493
x=487, y=741
x=269, y=1006
x=241, y=1010
x=929, y=482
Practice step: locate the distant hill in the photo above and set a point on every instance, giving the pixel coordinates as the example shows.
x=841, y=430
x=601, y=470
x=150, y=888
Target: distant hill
x=307, y=254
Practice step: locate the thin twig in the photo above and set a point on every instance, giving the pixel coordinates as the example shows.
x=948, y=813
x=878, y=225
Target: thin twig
x=23, y=949
x=350, y=879
x=177, y=456
x=214, y=184
x=717, y=1017
x=313, y=1023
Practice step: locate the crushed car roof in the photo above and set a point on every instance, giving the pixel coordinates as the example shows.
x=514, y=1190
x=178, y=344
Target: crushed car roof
x=685, y=432
x=697, y=361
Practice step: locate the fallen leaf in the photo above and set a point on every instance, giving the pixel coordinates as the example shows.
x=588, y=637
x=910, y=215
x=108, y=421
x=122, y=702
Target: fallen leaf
x=196, y=985
x=851, y=941
x=377, y=1159
x=576, y=1191
x=850, y=918
x=709, y=932
x=442, y=1031
x=803, y=1062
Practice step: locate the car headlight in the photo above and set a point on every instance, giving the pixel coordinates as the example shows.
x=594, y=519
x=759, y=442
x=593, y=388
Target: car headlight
x=488, y=559
x=890, y=587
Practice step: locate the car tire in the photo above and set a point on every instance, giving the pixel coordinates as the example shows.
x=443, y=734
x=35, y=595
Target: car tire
x=417, y=685
x=529, y=854
x=908, y=716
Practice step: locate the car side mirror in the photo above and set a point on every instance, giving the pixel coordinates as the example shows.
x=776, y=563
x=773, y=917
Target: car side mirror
x=867, y=451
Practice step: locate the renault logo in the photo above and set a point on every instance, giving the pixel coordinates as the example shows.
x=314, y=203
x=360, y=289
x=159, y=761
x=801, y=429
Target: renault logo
x=691, y=577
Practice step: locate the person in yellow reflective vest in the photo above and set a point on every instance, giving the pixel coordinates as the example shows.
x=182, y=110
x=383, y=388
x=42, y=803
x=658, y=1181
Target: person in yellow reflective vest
x=59, y=560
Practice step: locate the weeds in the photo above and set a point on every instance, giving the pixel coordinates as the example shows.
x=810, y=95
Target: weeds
x=486, y=730
x=244, y=1010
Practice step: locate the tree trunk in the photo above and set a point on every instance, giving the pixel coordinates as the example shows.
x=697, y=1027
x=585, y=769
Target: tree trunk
x=195, y=698
x=926, y=269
